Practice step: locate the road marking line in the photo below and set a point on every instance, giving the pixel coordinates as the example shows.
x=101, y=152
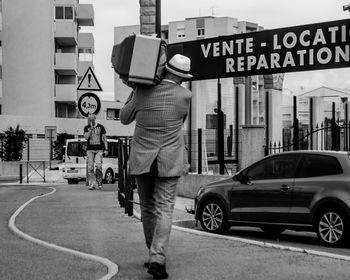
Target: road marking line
x=112, y=267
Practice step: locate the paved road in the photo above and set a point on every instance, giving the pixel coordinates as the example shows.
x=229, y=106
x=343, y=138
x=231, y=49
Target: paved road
x=20, y=259
x=91, y=221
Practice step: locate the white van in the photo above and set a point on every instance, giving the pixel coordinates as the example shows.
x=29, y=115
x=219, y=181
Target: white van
x=74, y=169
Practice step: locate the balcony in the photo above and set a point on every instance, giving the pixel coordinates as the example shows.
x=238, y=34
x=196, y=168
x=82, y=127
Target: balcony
x=66, y=32
x=67, y=2
x=86, y=41
x=66, y=63
x=83, y=66
x=86, y=16
x=66, y=92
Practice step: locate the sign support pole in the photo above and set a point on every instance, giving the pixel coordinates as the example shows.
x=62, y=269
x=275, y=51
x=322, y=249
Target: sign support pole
x=50, y=138
x=221, y=142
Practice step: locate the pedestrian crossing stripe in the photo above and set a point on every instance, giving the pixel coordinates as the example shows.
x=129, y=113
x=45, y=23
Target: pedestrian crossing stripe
x=89, y=82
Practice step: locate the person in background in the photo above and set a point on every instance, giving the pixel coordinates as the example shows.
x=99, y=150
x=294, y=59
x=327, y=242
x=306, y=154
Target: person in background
x=157, y=157
x=97, y=146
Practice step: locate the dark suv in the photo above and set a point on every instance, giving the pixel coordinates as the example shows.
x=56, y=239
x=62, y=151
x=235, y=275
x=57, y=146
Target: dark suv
x=301, y=190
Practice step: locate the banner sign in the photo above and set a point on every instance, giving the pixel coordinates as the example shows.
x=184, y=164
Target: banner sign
x=292, y=49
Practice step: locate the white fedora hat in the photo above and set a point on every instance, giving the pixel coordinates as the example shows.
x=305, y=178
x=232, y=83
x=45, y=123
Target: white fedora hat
x=179, y=65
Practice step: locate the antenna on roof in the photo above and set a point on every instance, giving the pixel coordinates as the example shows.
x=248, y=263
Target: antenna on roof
x=212, y=10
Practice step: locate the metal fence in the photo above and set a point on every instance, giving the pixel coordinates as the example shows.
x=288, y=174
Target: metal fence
x=207, y=155
x=126, y=182
x=331, y=134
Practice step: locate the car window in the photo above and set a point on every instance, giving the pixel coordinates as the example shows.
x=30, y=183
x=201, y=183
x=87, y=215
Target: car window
x=277, y=167
x=76, y=149
x=318, y=165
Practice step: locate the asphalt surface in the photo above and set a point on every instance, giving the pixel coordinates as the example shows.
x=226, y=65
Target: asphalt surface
x=92, y=222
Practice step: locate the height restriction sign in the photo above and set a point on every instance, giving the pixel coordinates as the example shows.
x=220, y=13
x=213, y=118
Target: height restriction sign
x=89, y=103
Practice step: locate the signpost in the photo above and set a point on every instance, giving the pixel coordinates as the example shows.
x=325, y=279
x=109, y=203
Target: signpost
x=89, y=102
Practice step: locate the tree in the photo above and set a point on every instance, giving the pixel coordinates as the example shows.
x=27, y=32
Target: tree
x=58, y=145
x=14, y=143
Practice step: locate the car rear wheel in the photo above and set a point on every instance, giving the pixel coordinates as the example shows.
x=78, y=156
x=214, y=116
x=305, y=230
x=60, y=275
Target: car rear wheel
x=213, y=217
x=109, y=177
x=332, y=227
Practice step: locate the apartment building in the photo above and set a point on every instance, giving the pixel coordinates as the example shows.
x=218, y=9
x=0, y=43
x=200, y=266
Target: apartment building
x=45, y=55
x=0, y=55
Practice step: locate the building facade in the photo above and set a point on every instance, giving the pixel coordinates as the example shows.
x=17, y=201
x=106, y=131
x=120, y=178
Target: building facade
x=0, y=56
x=45, y=54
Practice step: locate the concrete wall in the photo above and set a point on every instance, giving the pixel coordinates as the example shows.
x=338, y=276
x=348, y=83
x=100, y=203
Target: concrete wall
x=11, y=169
x=251, y=145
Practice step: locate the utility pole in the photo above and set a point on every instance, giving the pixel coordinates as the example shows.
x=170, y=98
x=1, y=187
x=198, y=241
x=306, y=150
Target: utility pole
x=158, y=19
x=220, y=133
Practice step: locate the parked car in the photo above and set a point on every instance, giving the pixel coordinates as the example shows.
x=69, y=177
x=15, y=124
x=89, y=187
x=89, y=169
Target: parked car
x=299, y=190
x=74, y=169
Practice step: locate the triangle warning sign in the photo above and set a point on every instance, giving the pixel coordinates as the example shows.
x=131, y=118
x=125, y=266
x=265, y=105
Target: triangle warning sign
x=89, y=82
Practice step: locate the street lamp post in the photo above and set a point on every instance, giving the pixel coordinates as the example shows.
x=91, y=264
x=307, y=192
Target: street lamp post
x=158, y=19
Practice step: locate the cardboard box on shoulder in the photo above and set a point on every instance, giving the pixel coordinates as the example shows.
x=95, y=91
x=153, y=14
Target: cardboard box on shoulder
x=140, y=59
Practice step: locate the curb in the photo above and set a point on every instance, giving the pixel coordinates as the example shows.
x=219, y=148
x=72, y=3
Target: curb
x=251, y=242
x=112, y=267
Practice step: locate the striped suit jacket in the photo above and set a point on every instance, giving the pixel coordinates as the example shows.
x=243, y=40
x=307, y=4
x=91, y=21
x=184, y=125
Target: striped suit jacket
x=159, y=112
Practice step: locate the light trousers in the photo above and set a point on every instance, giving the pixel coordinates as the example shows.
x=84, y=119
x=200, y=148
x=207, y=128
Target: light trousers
x=94, y=158
x=157, y=200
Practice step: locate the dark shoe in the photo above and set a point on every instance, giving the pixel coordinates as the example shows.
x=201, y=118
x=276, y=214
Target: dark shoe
x=157, y=270
x=146, y=264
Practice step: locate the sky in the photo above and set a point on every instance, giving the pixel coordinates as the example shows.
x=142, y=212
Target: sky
x=270, y=14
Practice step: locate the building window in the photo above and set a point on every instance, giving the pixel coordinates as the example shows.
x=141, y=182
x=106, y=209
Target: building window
x=65, y=110
x=200, y=32
x=181, y=33
x=113, y=114
x=64, y=13
x=85, y=54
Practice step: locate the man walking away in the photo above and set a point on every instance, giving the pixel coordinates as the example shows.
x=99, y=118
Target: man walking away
x=95, y=134
x=157, y=154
